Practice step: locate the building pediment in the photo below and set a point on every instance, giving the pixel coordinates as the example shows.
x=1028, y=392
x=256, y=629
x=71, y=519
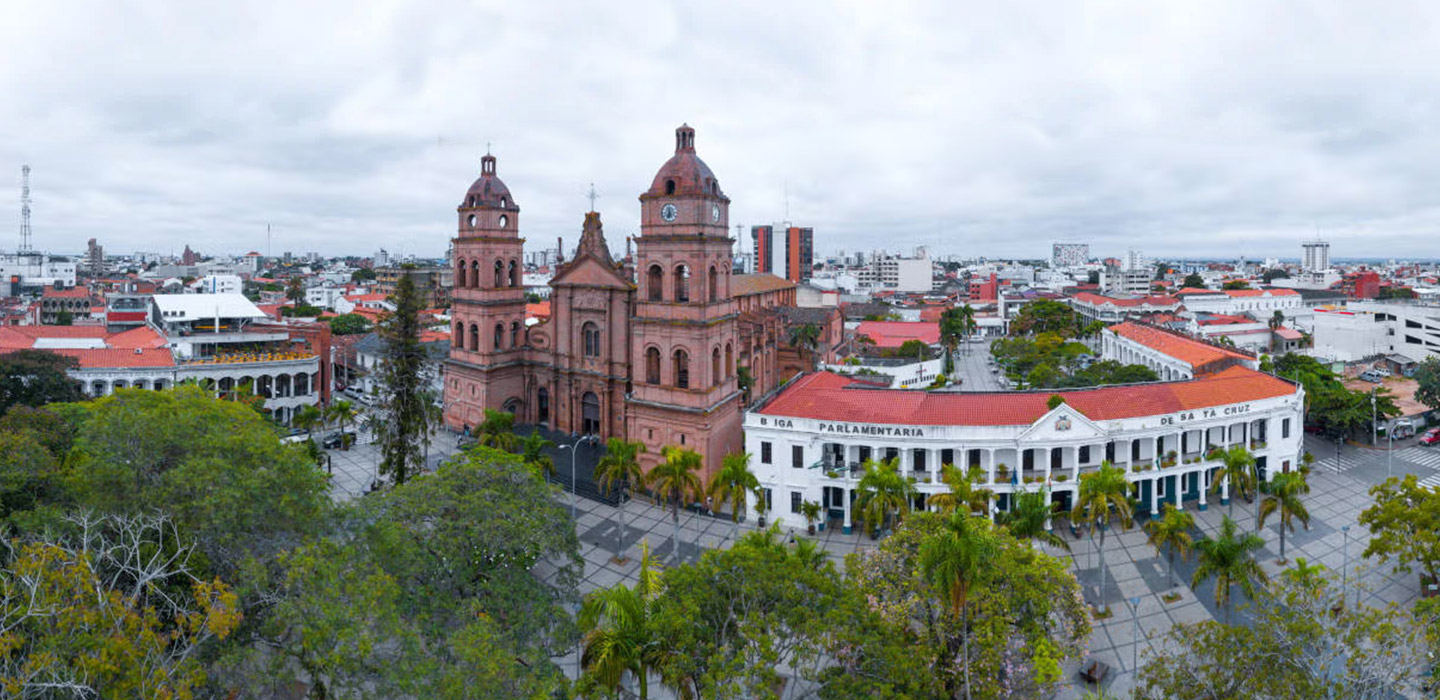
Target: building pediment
x=1063, y=423
x=587, y=271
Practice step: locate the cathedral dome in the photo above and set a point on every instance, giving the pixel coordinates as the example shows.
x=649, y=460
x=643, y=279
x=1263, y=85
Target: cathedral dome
x=489, y=190
x=685, y=173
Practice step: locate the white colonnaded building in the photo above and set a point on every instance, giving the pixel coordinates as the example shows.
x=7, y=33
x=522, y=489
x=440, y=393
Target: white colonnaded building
x=810, y=440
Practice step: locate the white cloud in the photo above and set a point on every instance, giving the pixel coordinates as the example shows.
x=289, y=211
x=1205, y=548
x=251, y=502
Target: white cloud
x=1187, y=128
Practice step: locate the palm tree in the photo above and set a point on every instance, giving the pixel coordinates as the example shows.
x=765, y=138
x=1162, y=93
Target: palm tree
x=805, y=338
x=1172, y=531
x=1027, y=517
x=729, y=485
x=1284, y=497
x=962, y=491
x=1237, y=469
x=883, y=493
x=1230, y=560
x=343, y=413
x=1308, y=577
x=967, y=324
x=675, y=479
x=532, y=451
x=953, y=562
x=810, y=510
x=618, y=470
x=497, y=430
x=1103, y=495
x=306, y=418
x=618, y=638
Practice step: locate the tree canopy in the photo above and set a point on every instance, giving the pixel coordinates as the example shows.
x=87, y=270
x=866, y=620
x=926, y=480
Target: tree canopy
x=349, y=324
x=1045, y=316
x=35, y=378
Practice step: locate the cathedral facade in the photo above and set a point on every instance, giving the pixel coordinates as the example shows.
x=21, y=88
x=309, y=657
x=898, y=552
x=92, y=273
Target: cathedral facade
x=664, y=348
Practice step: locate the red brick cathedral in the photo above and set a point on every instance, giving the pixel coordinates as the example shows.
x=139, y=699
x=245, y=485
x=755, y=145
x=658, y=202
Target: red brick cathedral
x=647, y=349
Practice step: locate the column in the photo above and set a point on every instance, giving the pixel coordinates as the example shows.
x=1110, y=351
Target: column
x=1202, y=487
x=989, y=465
x=1049, y=462
x=845, y=505
x=1179, y=489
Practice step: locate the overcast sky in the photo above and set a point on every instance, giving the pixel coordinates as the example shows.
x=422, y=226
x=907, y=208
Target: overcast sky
x=1206, y=128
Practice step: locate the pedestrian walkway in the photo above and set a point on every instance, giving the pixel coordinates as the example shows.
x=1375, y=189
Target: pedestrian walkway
x=1337, y=465
x=1432, y=481
x=1424, y=456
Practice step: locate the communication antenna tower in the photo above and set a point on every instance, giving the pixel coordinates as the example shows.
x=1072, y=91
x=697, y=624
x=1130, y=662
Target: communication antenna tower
x=24, y=209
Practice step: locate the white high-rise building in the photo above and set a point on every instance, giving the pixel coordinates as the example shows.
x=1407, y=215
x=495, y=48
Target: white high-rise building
x=1134, y=260
x=382, y=258
x=1316, y=257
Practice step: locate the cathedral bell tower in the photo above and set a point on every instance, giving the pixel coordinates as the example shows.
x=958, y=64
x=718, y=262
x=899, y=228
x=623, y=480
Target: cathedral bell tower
x=488, y=309
x=683, y=352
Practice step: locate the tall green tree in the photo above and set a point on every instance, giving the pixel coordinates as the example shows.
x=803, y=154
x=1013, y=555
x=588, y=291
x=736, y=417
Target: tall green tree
x=963, y=492
x=349, y=324
x=805, y=338
x=1045, y=316
x=497, y=430
x=619, y=470
x=1404, y=524
x=307, y=418
x=295, y=290
x=533, y=453
x=1103, y=499
x=404, y=373
x=1171, y=531
x=1020, y=615
x=884, y=494
x=620, y=638
x=1229, y=558
x=729, y=486
x=1296, y=646
x=1029, y=516
x=216, y=467
x=343, y=413
x=1238, y=470
x=675, y=479
x=733, y=620
x=1427, y=380
x=1193, y=281
x=1284, y=500
x=35, y=378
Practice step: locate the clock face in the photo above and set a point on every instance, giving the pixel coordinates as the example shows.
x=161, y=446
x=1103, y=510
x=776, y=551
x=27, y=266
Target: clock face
x=668, y=212
x=715, y=213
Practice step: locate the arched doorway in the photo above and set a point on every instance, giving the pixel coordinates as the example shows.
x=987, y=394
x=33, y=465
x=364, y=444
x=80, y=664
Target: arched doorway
x=589, y=413
x=542, y=406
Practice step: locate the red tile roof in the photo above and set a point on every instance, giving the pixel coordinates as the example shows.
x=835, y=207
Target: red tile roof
x=1192, y=352
x=539, y=310
x=1099, y=299
x=71, y=293
x=893, y=334
x=829, y=396
x=120, y=357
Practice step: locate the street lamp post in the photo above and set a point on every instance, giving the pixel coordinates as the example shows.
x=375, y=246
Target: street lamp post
x=1345, y=571
x=574, y=452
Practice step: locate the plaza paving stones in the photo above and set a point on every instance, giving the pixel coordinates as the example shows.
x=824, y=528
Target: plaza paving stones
x=1133, y=569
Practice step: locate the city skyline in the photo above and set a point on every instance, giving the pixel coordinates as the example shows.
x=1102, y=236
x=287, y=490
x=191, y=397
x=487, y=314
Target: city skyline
x=1186, y=130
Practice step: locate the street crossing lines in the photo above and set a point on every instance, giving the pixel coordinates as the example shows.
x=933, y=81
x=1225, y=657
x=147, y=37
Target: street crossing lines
x=1337, y=464
x=1428, y=457
x=1432, y=481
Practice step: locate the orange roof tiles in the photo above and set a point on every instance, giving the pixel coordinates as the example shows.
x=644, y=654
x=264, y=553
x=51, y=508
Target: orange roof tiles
x=893, y=334
x=1191, y=352
x=119, y=357
x=539, y=310
x=743, y=285
x=829, y=396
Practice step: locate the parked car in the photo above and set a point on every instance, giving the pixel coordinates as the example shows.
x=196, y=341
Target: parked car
x=1431, y=437
x=1402, y=429
x=336, y=440
x=1371, y=375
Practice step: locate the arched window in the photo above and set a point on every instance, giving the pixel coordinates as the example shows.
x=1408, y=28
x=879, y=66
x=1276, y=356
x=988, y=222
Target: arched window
x=682, y=283
x=589, y=413
x=714, y=284
x=459, y=335
x=499, y=273
x=514, y=274
x=729, y=360
x=682, y=369
x=715, y=367
x=460, y=274
x=655, y=282
x=669, y=187
x=499, y=335
x=474, y=273
x=652, y=366
x=511, y=406
x=514, y=334
x=590, y=334
x=475, y=337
